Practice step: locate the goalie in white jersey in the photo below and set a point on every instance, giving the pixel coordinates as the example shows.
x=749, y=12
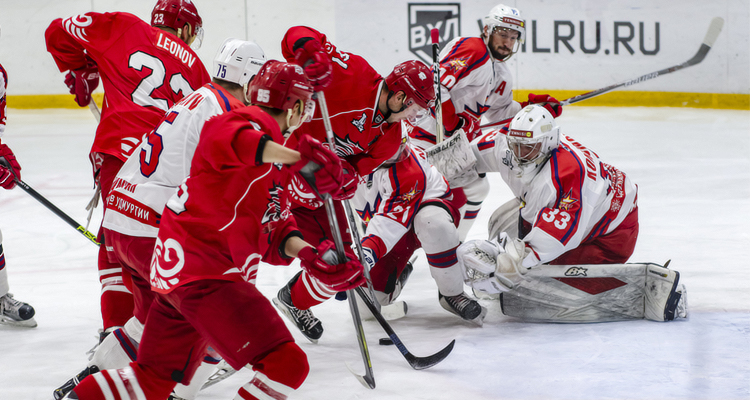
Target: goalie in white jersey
x=476, y=82
x=573, y=210
x=145, y=183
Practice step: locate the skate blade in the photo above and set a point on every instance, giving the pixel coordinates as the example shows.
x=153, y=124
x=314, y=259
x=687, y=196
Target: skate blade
x=29, y=323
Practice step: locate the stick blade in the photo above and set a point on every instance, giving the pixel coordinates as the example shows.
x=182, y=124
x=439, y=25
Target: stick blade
x=366, y=380
x=429, y=361
x=714, y=29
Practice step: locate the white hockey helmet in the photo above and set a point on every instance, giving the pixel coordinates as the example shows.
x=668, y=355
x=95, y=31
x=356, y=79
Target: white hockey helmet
x=533, y=134
x=504, y=17
x=238, y=61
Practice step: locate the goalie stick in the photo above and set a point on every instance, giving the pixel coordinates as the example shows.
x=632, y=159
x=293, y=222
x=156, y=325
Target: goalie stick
x=708, y=41
x=33, y=193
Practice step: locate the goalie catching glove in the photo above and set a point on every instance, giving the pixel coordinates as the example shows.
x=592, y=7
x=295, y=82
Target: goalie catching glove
x=324, y=265
x=492, y=266
x=319, y=166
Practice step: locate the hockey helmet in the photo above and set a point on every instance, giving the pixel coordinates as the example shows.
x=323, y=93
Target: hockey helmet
x=281, y=85
x=175, y=14
x=532, y=135
x=415, y=79
x=238, y=61
x=502, y=17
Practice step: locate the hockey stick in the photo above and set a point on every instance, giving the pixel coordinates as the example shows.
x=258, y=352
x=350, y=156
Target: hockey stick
x=98, y=190
x=368, y=380
x=414, y=361
x=440, y=129
x=708, y=41
x=33, y=193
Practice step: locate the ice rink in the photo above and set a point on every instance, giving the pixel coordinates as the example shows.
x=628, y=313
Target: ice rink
x=692, y=167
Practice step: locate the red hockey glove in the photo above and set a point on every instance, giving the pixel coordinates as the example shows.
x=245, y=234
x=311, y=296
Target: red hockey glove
x=550, y=103
x=469, y=124
x=319, y=166
x=323, y=264
x=82, y=82
x=8, y=168
x=315, y=61
x=351, y=181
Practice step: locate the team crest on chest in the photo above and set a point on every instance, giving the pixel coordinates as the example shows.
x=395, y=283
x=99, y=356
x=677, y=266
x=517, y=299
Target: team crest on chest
x=359, y=123
x=457, y=64
x=347, y=147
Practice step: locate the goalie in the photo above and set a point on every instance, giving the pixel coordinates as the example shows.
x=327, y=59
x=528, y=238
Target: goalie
x=557, y=251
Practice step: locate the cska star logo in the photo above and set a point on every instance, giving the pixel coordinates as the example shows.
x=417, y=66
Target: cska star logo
x=360, y=123
x=457, y=64
x=409, y=196
x=568, y=201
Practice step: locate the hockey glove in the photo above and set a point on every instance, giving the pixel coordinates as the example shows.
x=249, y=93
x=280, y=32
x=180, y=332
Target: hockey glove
x=10, y=170
x=478, y=260
x=470, y=126
x=351, y=181
x=550, y=103
x=319, y=166
x=323, y=264
x=82, y=82
x=310, y=55
x=509, y=271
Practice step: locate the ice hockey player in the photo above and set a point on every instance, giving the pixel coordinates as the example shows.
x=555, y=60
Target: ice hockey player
x=558, y=249
x=147, y=180
x=408, y=205
x=209, y=248
x=475, y=82
x=12, y=311
x=365, y=112
x=145, y=70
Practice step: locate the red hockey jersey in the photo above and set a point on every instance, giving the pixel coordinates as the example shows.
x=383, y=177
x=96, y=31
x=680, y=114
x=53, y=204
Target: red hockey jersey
x=144, y=72
x=229, y=214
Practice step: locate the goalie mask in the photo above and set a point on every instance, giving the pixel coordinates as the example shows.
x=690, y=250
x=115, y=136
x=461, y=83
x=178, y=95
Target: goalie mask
x=504, y=19
x=281, y=85
x=532, y=136
x=238, y=61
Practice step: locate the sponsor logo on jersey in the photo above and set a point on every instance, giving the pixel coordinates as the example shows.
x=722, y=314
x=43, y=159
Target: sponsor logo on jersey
x=423, y=17
x=576, y=271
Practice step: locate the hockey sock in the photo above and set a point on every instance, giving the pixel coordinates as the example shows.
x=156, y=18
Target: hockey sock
x=277, y=375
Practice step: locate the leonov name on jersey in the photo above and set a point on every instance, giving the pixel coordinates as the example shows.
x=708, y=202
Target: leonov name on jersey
x=175, y=49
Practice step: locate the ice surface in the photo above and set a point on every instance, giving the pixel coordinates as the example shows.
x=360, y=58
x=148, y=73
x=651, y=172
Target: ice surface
x=692, y=168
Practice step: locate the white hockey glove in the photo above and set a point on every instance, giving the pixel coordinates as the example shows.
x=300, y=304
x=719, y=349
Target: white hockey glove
x=509, y=271
x=478, y=260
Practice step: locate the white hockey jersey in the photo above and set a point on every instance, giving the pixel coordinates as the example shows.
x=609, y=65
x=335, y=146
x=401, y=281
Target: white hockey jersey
x=161, y=163
x=390, y=198
x=477, y=84
x=573, y=198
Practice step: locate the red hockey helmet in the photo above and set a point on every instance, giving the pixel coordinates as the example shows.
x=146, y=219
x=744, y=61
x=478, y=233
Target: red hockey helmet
x=414, y=78
x=280, y=85
x=175, y=14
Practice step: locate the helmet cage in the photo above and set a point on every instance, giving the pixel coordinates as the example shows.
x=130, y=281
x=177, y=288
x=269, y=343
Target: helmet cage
x=532, y=135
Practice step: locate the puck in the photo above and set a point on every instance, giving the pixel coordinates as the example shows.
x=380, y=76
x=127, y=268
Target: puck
x=385, y=341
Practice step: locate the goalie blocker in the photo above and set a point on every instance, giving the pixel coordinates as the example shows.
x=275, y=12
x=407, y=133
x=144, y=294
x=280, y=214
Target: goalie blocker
x=575, y=293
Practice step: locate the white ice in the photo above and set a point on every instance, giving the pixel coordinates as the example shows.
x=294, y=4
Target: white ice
x=692, y=167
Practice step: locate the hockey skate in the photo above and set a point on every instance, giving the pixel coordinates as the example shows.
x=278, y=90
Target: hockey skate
x=71, y=384
x=464, y=307
x=16, y=313
x=305, y=321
